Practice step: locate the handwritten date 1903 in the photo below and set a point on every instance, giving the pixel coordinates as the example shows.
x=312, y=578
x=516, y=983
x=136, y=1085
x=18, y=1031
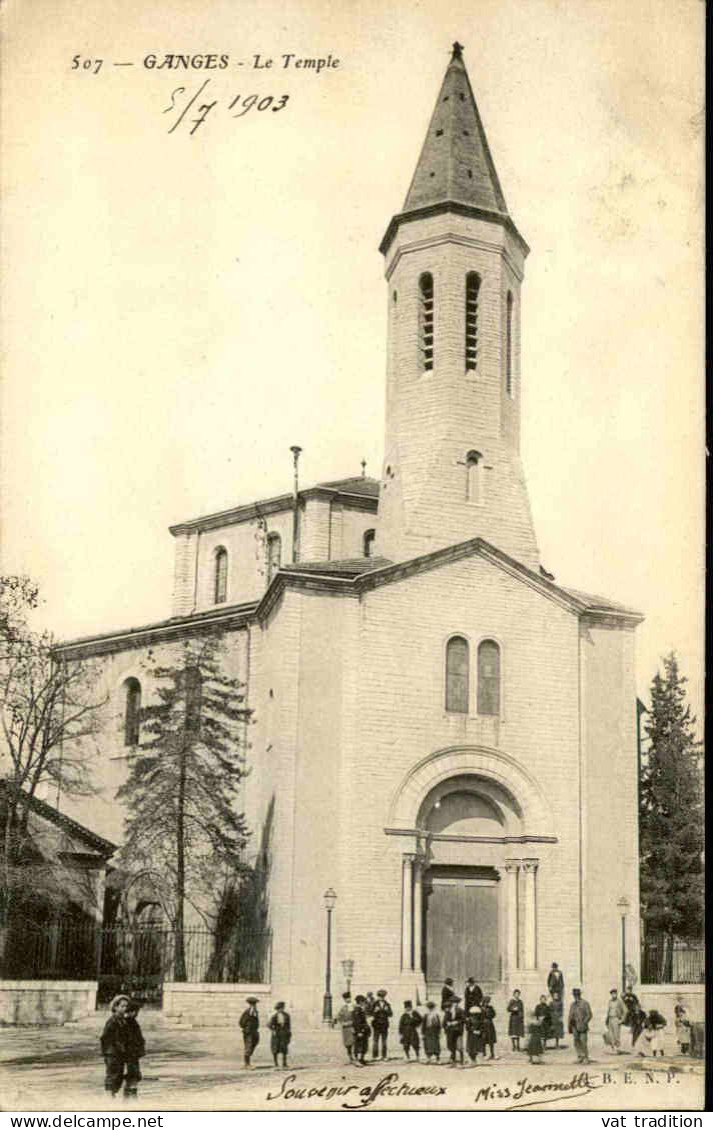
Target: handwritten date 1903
x=182, y=102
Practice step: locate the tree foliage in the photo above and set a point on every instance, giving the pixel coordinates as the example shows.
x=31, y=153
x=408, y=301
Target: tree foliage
x=49, y=719
x=182, y=790
x=671, y=816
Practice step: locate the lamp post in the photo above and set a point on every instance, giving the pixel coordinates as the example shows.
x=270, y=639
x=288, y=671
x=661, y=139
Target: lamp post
x=623, y=905
x=348, y=971
x=330, y=898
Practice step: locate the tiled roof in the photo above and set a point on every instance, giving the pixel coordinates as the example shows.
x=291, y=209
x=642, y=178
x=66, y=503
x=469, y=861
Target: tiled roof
x=594, y=601
x=48, y=812
x=358, y=485
x=351, y=567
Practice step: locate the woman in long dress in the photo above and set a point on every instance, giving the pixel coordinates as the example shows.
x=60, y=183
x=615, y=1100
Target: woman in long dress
x=516, y=1021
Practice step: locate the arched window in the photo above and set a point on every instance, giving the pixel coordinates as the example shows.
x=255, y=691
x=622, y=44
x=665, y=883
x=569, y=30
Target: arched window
x=132, y=711
x=472, y=289
x=193, y=685
x=274, y=555
x=474, y=477
x=221, y=575
x=488, y=678
x=425, y=320
x=457, y=665
x=508, y=344
x=369, y=536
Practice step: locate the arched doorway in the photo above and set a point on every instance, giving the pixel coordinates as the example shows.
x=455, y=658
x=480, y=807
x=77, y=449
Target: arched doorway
x=465, y=820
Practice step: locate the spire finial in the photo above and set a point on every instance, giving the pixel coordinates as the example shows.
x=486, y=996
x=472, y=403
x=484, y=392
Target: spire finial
x=457, y=50
x=363, y=468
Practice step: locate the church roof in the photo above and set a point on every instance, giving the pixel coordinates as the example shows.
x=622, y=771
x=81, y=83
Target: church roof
x=350, y=567
x=359, y=484
x=455, y=161
x=48, y=812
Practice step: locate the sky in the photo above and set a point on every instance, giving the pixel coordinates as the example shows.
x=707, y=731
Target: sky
x=180, y=308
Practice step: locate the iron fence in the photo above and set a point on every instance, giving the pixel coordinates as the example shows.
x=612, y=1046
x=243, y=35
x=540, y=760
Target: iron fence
x=672, y=961
x=135, y=960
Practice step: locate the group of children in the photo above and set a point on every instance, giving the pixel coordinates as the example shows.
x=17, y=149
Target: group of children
x=467, y=1024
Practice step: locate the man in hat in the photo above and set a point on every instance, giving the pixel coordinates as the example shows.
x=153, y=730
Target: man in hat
x=580, y=1016
x=345, y=1018
x=555, y=981
x=281, y=1028
x=361, y=1030
x=615, y=1017
x=250, y=1024
x=135, y=1049
x=380, y=1023
x=409, y=1025
x=447, y=992
x=472, y=994
x=453, y=1023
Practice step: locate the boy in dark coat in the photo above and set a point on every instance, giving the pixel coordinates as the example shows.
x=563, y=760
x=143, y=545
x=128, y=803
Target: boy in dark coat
x=281, y=1033
x=250, y=1024
x=516, y=1022
x=409, y=1025
x=453, y=1022
x=118, y=1047
x=380, y=1023
x=361, y=1030
x=135, y=1049
x=490, y=1036
x=432, y=1033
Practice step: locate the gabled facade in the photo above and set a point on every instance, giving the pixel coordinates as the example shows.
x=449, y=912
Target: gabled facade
x=442, y=734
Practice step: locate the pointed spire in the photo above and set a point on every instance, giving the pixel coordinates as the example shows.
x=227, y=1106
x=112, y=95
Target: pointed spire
x=455, y=163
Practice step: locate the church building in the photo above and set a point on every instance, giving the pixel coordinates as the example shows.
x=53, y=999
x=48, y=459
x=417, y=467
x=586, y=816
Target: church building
x=444, y=737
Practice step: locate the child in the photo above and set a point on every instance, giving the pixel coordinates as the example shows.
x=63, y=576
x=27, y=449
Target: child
x=281, y=1029
x=250, y=1024
x=115, y=1044
x=432, y=1033
x=682, y=1027
x=135, y=1049
x=516, y=1023
x=490, y=1036
x=409, y=1025
x=534, y=1046
x=652, y=1035
x=474, y=1021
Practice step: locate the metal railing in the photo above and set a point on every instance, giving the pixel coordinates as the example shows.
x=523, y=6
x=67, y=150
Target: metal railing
x=140, y=959
x=672, y=961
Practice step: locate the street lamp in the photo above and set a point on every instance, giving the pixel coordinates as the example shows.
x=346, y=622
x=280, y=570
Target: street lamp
x=330, y=898
x=623, y=905
x=348, y=970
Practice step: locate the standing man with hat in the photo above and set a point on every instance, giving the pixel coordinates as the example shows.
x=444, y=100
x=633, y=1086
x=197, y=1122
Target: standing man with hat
x=409, y=1025
x=472, y=994
x=345, y=1018
x=361, y=1030
x=555, y=981
x=380, y=1023
x=580, y=1016
x=447, y=993
x=453, y=1023
x=250, y=1024
x=281, y=1027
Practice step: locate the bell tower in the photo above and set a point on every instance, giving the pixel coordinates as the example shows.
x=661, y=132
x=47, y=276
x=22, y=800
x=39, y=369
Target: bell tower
x=454, y=264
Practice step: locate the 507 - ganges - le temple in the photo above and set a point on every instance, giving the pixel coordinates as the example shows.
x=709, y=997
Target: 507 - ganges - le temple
x=396, y=640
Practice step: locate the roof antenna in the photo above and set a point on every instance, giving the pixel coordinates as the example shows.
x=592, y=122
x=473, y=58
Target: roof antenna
x=296, y=452
x=363, y=468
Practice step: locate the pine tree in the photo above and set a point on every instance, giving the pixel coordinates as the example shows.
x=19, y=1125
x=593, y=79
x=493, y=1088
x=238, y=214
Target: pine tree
x=671, y=814
x=182, y=789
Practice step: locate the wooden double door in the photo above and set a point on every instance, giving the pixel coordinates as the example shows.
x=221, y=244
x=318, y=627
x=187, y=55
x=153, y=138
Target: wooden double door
x=461, y=936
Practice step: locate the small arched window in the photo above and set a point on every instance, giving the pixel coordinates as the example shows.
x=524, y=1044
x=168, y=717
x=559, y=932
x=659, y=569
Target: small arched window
x=474, y=477
x=132, y=711
x=193, y=686
x=220, y=594
x=508, y=344
x=457, y=666
x=425, y=320
x=274, y=555
x=369, y=536
x=488, y=677
x=472, y=290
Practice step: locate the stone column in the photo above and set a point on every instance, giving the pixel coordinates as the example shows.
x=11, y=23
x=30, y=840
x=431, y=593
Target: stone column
x=529, y=867
x=512, y=867
x=418, y=865
x=407, y=912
